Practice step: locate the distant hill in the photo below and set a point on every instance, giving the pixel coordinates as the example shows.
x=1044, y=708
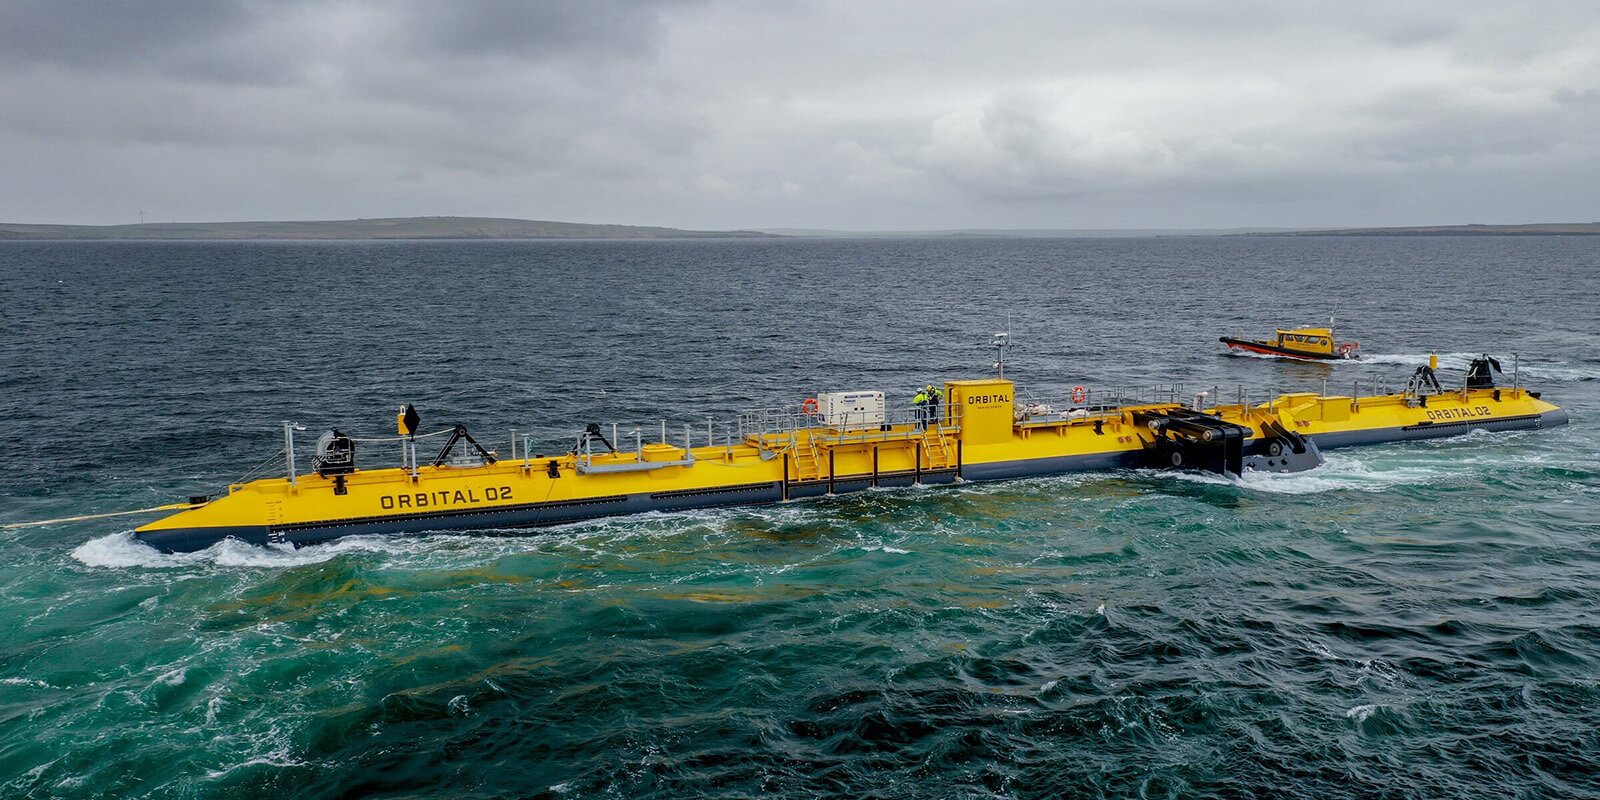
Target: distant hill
x=1541, y=229
x=398, y=228
x=1009, y=233
x=495, y=228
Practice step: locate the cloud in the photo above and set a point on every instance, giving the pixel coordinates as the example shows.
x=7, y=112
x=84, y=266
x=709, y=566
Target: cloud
x=533, y=31
x=718, y=114
x=108, y=34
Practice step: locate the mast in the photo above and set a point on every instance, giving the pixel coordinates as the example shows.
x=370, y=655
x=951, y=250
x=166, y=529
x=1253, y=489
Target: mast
x=1001, y=343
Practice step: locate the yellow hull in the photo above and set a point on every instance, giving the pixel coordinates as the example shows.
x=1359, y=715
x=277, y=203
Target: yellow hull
x=978, y=440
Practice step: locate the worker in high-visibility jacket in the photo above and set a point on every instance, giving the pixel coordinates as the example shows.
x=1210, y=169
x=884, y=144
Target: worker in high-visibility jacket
x=920, y=402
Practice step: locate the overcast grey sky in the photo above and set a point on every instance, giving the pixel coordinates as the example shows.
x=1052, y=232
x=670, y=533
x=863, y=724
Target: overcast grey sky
x=859, y=115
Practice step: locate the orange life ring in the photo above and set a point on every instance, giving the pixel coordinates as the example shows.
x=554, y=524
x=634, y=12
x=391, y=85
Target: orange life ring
x=809, y=406
x=1079, y=394
x=1344, y=349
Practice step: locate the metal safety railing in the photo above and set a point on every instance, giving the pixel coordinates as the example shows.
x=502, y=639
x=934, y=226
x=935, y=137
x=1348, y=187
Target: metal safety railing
x=1108, y=401
x=590, y=457
x=775, y=429
x=1091, y=403
x=289, y=455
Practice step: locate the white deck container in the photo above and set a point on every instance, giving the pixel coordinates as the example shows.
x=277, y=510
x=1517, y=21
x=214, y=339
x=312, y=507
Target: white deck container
x=851, y=411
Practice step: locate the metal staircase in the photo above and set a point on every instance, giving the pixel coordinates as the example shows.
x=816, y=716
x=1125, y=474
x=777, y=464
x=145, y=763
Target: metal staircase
x=807, y=459
x=937, y=449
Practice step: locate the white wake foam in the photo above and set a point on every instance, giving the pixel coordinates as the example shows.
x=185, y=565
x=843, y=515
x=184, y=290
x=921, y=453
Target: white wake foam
x=1529, y=369
x=1446, y=360
x=1339, y=472
x=122, y=551
x=1538, y=370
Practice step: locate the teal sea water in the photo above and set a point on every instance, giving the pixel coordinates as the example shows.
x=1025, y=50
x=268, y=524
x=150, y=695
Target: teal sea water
x=1409, y=621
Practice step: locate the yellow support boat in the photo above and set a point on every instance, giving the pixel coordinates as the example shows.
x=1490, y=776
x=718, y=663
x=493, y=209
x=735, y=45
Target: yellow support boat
x=1309, y=344
x=834, y=443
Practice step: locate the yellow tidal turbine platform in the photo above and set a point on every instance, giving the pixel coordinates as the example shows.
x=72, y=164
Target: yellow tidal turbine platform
x=837, y=442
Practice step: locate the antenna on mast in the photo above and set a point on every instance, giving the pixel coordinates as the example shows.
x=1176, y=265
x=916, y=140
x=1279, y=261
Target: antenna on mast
x=1001, y=343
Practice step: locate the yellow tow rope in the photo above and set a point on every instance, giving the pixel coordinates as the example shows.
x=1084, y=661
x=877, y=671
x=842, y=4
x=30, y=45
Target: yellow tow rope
x=167, y=507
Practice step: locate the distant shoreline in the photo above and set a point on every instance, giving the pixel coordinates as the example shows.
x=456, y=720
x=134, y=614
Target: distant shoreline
x=394, y=228
x=489, y=228
x=1538, y=229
